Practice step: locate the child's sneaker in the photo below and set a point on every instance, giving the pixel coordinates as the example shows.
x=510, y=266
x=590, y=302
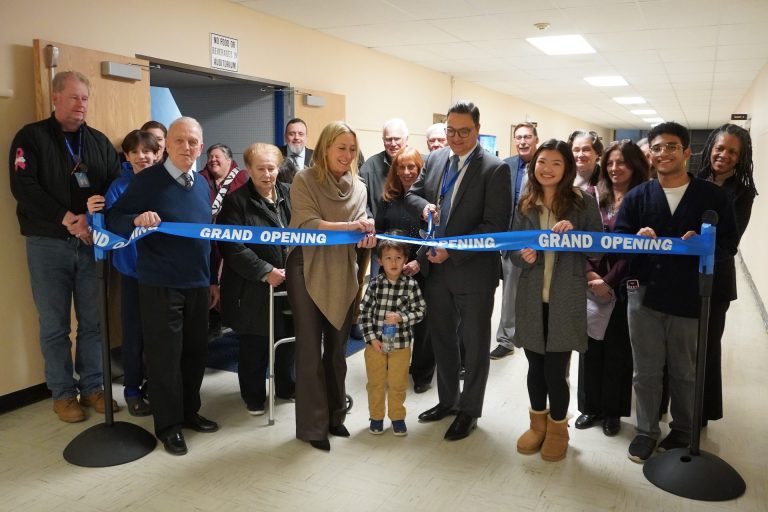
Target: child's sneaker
x=377, y=427
x=399, y=428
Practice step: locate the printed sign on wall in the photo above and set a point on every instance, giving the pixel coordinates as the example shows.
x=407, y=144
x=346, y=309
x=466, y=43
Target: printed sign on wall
x=224, y=52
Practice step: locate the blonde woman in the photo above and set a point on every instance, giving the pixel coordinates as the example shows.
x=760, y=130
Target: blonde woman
x=322, y=281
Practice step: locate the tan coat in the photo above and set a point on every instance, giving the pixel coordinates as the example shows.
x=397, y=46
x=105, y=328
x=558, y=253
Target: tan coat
x=330, y=272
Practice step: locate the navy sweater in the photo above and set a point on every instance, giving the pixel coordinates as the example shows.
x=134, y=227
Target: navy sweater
x=671, y=280
x=166, y=260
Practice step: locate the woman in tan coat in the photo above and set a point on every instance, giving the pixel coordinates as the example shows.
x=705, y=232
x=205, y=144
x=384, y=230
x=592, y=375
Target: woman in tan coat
x=322, y=281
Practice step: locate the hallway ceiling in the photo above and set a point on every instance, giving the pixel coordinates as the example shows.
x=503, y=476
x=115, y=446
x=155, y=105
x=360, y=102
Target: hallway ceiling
x=692, y=60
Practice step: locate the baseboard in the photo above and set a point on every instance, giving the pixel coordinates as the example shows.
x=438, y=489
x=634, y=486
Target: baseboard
x=24, y=397
x=755, y=291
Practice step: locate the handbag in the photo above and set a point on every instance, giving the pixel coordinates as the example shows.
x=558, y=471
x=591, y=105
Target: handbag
x=599, y=310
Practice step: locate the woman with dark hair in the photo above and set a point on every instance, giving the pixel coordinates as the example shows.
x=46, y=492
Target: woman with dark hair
x=249, y=270
x=605, y=369
x=726, y=161
x=551, y=304
x=587, y=150
x=392, y=215
x=322, y=281
x=160, y=132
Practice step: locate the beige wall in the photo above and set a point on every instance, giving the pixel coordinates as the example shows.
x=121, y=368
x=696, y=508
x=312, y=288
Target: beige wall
x=376, y=87
x=753, y=244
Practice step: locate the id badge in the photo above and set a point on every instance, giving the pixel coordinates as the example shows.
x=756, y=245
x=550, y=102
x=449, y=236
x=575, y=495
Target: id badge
x=82, y=180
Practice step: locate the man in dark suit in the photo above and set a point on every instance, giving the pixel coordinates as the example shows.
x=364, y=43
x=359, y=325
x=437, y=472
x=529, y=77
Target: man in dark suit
x=295, y=148
x=468, y=191
x=526, y=140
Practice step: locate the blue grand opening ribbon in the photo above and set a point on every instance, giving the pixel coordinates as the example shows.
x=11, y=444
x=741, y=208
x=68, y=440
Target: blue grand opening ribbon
x=579, y=241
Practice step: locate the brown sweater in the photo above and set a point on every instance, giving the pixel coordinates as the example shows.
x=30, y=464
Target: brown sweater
x=330, y=272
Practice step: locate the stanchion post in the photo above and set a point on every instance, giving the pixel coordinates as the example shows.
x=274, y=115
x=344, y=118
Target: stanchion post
x=110, y=443
x=691, y=472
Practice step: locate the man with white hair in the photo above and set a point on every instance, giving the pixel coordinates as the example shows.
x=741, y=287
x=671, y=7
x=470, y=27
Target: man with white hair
x=436, y=137
x=174, y=282
x=374, y=171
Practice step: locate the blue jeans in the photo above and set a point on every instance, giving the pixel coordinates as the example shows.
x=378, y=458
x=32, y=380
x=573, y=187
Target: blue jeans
x=59, y=271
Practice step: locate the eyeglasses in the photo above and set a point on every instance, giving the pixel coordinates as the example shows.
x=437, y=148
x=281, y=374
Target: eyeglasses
x=523, y=137
x=392, y=140
x=461, y=132
x=669, y=147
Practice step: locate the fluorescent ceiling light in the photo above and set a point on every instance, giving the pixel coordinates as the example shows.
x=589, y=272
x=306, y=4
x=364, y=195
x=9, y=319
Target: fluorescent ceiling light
x=629, y=100
x=653, y=120
x=606, y=81
x=644, y=112
x=561, y=45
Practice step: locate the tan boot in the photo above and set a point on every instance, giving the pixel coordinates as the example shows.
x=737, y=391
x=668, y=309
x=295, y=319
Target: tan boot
x=556, y=442
x=530, y=441
x=96, y=400
x=68, y=410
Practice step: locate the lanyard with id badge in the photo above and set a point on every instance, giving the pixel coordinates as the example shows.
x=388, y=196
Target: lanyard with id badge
x=80, y=170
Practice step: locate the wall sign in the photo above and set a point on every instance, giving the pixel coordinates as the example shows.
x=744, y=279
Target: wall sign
x=224, y=52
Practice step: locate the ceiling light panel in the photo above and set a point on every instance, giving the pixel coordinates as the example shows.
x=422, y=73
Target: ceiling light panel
x=573, y=44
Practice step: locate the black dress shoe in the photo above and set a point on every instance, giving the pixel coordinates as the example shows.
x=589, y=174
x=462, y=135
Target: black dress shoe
x=338, y=431
x=322, y=444
x=421, y=388
x=611, y=426
x=436, y=413
x=174, y=443
x=200, y=424
x=587, y=421
x=461, y=427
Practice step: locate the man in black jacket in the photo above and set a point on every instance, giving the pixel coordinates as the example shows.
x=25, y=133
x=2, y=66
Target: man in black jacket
x=56, y=165
x=662, y=292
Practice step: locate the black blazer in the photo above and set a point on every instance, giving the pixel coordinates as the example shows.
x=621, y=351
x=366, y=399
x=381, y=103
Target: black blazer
x=482, y=204
x=244, y=296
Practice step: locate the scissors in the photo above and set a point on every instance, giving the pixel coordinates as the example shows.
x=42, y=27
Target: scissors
x=429, y=234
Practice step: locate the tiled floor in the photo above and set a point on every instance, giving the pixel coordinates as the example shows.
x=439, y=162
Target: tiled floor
x=249, y=466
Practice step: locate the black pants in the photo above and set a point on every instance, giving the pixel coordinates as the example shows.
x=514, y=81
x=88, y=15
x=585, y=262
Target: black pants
x=175, y=324
x=713, y=380
x=447, y=309
x=605, y=369
x=321, y=366
x=252, y=369
x=132, y=350
x=547, y=377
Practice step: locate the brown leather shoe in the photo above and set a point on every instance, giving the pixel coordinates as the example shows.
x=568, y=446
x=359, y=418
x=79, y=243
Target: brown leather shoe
x=68, y=410
x=96, y=400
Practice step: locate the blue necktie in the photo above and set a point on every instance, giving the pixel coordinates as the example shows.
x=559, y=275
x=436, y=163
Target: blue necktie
x=445, y=206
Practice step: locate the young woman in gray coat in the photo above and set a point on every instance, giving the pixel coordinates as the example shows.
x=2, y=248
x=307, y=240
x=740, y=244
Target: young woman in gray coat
x=551, y=304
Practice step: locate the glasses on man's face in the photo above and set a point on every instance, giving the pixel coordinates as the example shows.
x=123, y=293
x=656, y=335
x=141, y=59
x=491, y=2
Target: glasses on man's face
x=520, y=138
x=668, y=147
x=461, y=132
x=392, y=140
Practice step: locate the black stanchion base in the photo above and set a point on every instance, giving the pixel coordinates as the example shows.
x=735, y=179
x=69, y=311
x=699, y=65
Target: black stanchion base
x=105, y=445
x=704, y=477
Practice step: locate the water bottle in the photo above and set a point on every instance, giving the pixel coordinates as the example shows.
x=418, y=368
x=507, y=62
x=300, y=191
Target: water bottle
x=388, y=333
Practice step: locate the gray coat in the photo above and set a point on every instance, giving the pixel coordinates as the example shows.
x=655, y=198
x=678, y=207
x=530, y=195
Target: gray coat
x=567, y=326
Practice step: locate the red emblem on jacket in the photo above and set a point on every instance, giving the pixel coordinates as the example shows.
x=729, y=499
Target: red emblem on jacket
x=20, y=162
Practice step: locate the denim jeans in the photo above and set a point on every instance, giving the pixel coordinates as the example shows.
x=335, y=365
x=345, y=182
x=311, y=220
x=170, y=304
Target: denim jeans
x=59, y=271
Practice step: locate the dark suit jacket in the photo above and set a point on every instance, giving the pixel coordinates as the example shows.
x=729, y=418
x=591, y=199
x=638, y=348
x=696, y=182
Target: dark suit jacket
x=482, y=204
x=307, y=155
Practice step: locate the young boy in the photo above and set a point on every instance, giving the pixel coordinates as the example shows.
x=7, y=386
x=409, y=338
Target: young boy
x=141, y=150
x=392, y=299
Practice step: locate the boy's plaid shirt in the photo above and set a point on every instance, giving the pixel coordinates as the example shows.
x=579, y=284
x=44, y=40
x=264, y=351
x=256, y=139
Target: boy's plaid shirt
x=403, y=296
